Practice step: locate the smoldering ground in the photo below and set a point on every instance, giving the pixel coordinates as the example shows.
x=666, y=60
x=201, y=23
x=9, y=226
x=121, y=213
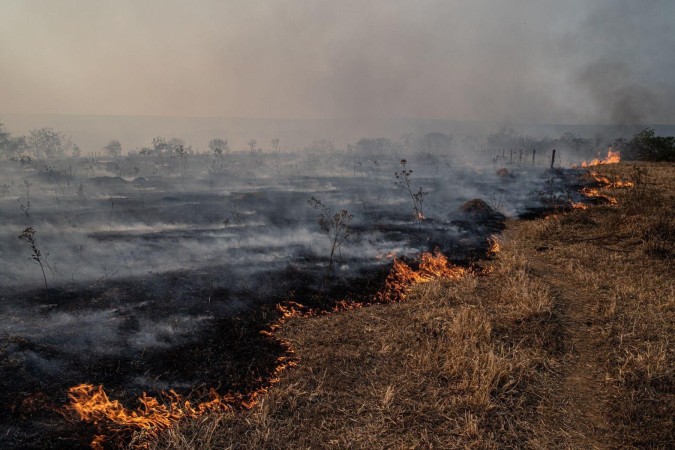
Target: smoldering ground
x=153, y=274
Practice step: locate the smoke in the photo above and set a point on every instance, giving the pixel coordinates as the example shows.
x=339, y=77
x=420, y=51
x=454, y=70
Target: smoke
x=508, y=62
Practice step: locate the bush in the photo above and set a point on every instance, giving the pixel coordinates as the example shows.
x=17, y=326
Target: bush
x=646, y=146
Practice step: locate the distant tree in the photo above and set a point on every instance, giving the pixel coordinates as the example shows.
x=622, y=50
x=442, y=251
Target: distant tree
x=174, y=144
x=219, y=146
x=159, y=145
x=646, y=146
x=252, y=144
x=275, y=144
x=76, y=151
x=11, y=147
x=47, y=143
x=183, y=154
x=114, y=148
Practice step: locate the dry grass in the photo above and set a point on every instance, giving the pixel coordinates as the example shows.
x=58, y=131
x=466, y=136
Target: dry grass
x=567, y=343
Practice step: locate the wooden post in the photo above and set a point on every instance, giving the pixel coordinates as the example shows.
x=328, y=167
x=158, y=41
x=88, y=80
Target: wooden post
x=552, y=158
x=511, y=158
x=533, y=153
x=520, y=157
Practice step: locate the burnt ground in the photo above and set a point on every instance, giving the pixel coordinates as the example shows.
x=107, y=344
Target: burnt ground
x=226, y=351
x=565, y=344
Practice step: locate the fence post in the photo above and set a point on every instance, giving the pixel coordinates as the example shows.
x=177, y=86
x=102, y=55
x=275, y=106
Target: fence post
x=552, y=158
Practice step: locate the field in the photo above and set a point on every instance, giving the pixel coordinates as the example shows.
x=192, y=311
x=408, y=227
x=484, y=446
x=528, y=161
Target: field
x=154, y=273
x=565, y=343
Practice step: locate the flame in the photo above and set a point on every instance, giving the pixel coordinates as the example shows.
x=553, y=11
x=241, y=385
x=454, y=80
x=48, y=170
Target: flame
x=419, y=216
x=115, y=421
x=402, y=277
x=606, y=182
x=493, y=245
x=612, y=158
x=92, y=404
x=594, y=193
x=579, y=205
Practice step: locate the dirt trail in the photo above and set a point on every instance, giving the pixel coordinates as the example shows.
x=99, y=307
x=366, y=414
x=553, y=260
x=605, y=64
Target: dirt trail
x=574, y=415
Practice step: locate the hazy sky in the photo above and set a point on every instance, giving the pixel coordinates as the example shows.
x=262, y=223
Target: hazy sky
x=523, y=61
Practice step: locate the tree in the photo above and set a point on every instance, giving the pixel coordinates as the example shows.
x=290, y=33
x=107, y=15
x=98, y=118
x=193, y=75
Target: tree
x=114, y=148
x=177, y=145
x=335, y=225
x=275, y=144
x=47, y=143
x=11, y=147
x=252, y=143
x=219, y=146
x=645, y=145
x=159, y=145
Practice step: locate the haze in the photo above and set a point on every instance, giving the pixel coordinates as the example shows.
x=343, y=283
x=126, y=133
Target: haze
x=512, y=61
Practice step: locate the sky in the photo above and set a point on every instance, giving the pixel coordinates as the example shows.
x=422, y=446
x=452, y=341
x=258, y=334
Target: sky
x=529, y=61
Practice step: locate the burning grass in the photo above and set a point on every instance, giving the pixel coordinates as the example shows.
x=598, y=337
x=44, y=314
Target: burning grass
x=116, y=422
x=567, y=343
x=442, y=369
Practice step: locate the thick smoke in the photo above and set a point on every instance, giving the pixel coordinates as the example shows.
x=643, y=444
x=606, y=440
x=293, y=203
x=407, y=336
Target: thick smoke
x=506, y=62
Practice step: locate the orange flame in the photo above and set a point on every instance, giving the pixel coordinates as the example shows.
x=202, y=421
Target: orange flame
x=594, y=193
x=612, y=158
x=402, y=277
x=493, y=246
x=91, y=403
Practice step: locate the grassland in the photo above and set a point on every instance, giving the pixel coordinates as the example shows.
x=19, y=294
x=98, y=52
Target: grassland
x=566, y=343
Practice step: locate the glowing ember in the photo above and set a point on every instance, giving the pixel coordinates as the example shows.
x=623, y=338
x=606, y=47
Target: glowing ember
x=402, y=277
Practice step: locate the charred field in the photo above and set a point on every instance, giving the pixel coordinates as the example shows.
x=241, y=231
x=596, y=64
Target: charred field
x=164, y=281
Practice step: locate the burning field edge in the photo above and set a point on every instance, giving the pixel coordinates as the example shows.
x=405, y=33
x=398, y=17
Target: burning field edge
x=488, y=348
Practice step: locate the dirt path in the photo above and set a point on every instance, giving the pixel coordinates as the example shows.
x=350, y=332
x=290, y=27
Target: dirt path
x=574, y=415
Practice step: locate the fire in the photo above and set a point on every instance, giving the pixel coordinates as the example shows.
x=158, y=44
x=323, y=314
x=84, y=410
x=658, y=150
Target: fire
x=612, y=158
x=606, y=182
x=402, y=277
x=114, y=421
x=493, y=245
x=92, y=404
x=594, y=193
